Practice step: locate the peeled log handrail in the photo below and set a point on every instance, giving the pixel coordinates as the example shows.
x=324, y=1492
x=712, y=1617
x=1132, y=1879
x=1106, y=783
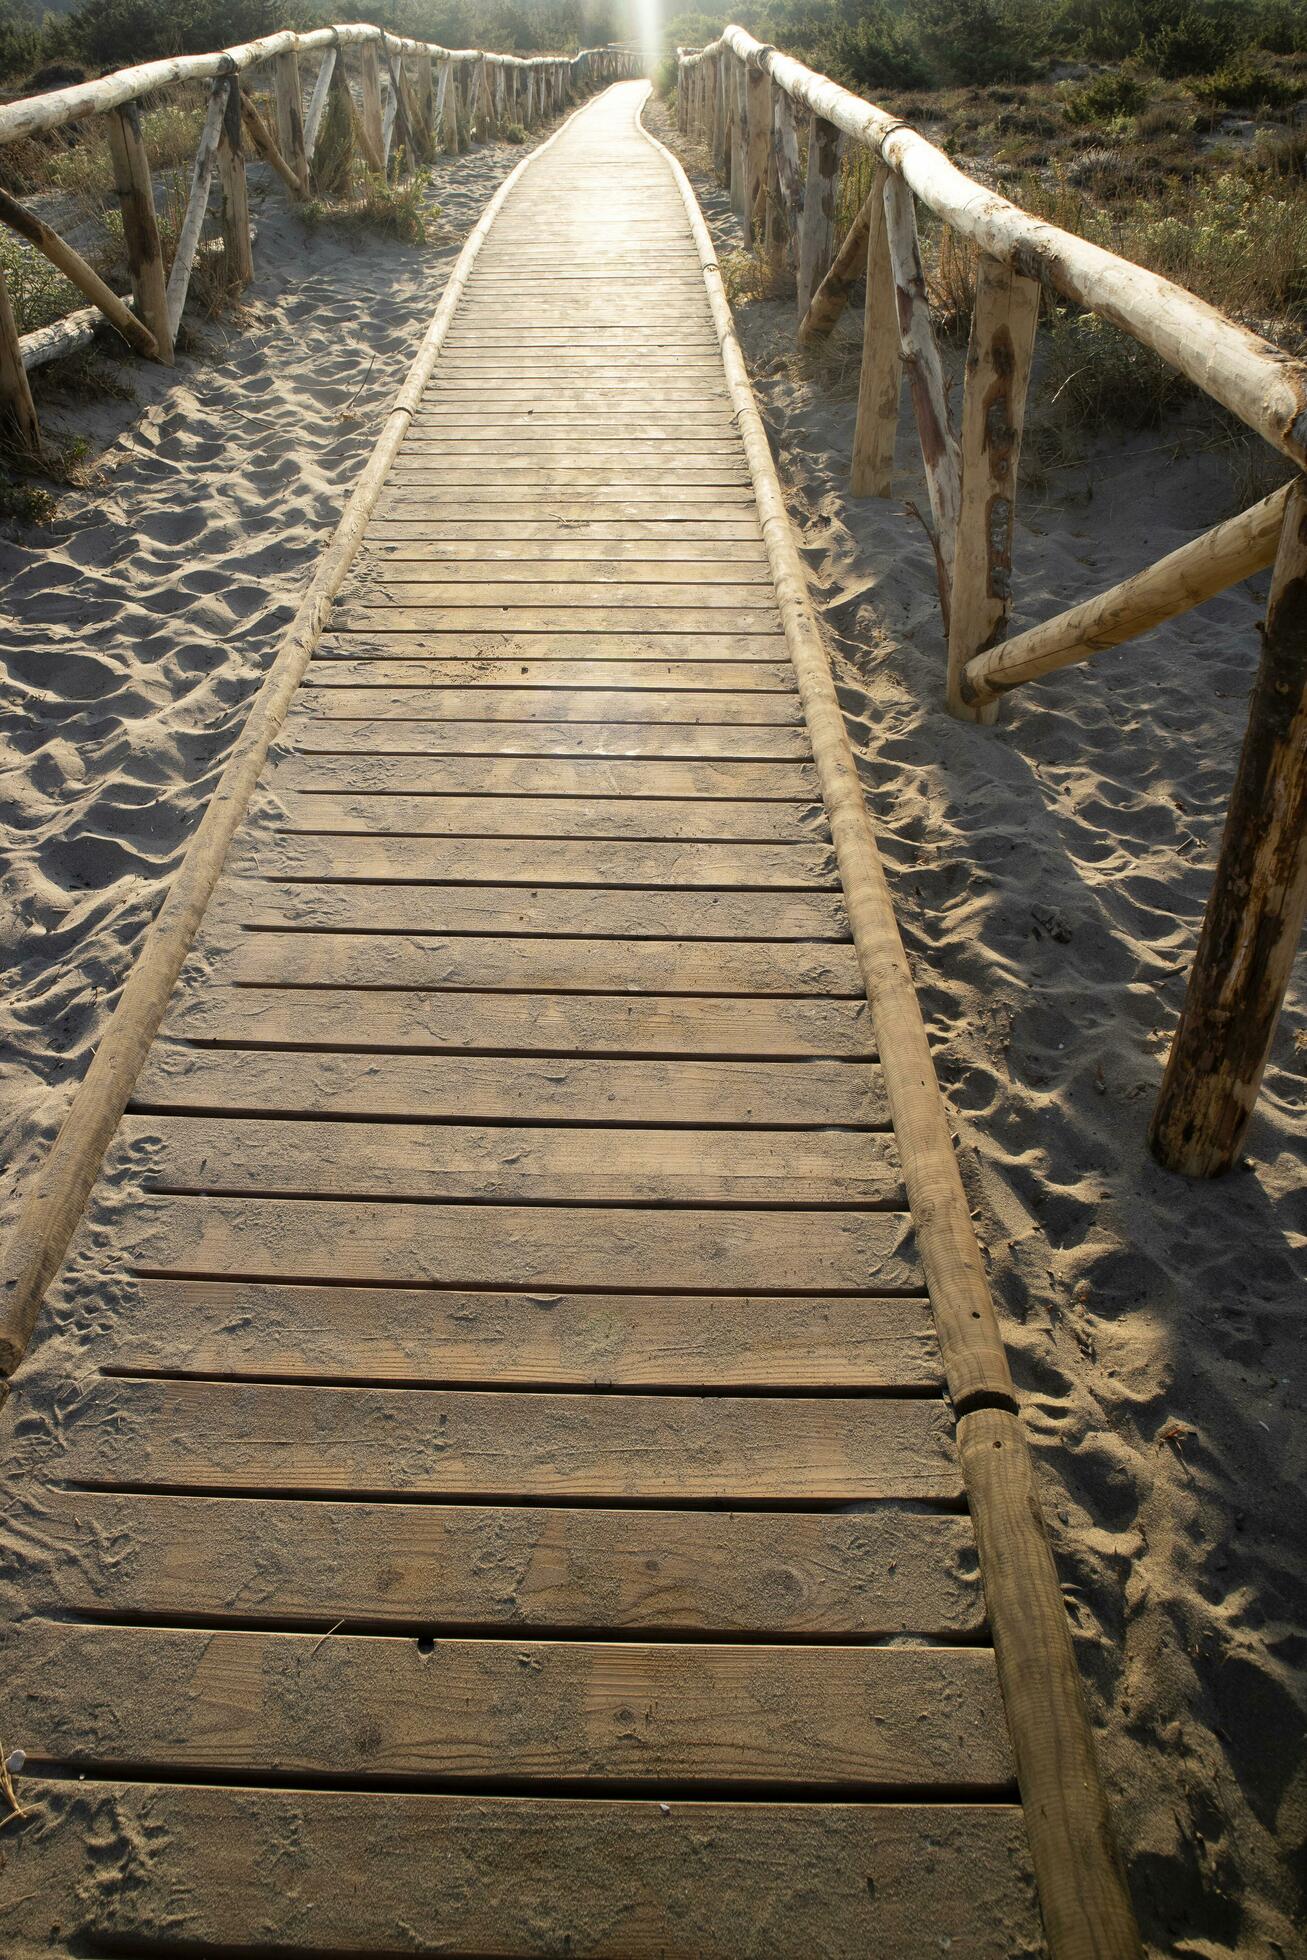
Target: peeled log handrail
x=1198, y=570
x=36, y=113
x=116, y=95
x=1250, y=376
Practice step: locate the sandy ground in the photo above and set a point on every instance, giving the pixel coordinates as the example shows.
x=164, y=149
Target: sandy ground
x=134, y=630
x=1050, y=876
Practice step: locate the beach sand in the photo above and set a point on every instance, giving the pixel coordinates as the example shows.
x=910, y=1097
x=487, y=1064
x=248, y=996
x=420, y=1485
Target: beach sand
x=134, y=630
x=1049, y=876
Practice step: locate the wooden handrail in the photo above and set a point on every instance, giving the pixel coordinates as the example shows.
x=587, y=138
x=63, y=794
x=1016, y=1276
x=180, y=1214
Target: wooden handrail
x=150, y=326
x=35, y=113
x=1250, y=376
x=728, y=95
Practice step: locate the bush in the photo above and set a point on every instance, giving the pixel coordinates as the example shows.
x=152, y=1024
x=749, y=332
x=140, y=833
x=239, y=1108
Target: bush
x=978, y=40
x=1116, y=92
x=1244, y=84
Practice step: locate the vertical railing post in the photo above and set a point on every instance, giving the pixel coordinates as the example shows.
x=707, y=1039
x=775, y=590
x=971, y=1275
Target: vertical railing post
x=290, y=115
x=135, y=187
x=757, y=85
x=1254, y=917
x=817, y=232
x=999, y=355
x=721, y=129
x=235, y=197
x=739, y=145
x=17, y=409
x=370, y=70
x=880, y=378
x=939, y=449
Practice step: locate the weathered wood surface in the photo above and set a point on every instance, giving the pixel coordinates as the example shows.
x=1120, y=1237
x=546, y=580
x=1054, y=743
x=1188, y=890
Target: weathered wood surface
x=500, y=1353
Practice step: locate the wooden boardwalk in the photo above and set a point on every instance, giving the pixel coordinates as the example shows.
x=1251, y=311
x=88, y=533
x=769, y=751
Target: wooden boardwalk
x=485, y=1477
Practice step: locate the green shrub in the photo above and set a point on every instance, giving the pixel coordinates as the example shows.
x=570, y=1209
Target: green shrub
x=1115, y=92
x=514, y=133
x=1243, y=83
x=38, y=293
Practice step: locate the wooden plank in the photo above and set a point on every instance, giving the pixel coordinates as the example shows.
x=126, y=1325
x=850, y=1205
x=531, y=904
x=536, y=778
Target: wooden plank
x=528, y=1164
x=836, y=1718
x=439, y=815
x=368, y=1244
x=529, y=778
x=314, y=734
x=616, y=863
x=205, y=1436
x=449, y=519
x=688, y=967
x=576, y=645
x=230, y=1329
x=366, y=615
x=336, y=666
x=521, y=1024
x=741, y=560
x=513, y=912
x=408, y=587
x=425, y=1088
x=418, y=1567
x=677, y=708
x=398, y=1873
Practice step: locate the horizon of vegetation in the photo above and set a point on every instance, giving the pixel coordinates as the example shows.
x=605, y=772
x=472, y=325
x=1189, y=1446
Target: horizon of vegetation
x=867, y=44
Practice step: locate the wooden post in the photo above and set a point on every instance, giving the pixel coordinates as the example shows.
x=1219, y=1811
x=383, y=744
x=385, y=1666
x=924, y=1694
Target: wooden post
x=373, y=135
x=17, y=408
x=1254, y=916
x=290, y=116
x=135, y=188
x=424, y=102
x=447, y=109
x=993, y=412
x=318, y=102
x=739, y=147
x=235, y=197
x=197, y=205
x=939, y=449
x=817, y=233
x=757, y=89
x=880, y=378
x=789, y=190
x=721, y=128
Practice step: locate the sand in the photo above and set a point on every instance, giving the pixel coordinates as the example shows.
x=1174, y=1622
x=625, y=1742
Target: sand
x=135, y=629
x=1050, y=876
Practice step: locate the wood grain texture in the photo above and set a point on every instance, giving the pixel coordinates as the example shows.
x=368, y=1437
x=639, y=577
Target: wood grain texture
x=297, y=1564
x=611, y=1340
x=398, y=1874
x=689, y=968
x=553, y=1247
x=673, y=1449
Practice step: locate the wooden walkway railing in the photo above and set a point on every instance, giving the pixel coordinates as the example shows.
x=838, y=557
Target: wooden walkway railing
x=519, y=1457
x=414, y=99
x=741, y=99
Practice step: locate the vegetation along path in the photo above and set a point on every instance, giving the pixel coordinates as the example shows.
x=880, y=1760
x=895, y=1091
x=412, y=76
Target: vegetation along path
x=508, y=1461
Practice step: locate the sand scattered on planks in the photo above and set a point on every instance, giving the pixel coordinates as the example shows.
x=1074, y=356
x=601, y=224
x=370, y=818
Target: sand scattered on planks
x=134, y=630
x=1049, y=877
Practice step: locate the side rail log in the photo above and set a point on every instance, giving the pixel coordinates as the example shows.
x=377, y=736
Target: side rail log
x=971, y=467
x=399, y=122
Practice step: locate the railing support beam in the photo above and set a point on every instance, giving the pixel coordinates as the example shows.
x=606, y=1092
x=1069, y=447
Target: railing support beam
x=1254, y=916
